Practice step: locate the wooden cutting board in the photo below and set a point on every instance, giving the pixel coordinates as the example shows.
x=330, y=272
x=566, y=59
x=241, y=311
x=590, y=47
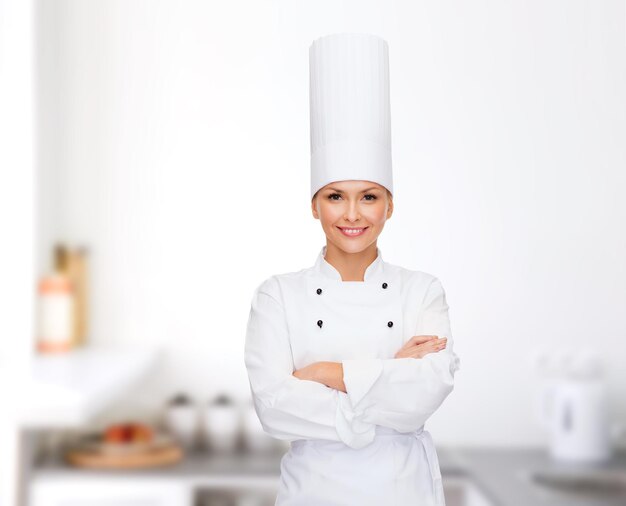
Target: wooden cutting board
x=152, y=457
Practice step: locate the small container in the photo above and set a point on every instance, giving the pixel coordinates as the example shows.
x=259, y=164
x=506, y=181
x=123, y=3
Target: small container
x=181, y=420
x=56, y=307
x=222, y=424
x=55, y=318
x=76, y=270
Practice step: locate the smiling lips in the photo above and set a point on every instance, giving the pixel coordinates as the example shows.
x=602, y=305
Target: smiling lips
x=352, y=232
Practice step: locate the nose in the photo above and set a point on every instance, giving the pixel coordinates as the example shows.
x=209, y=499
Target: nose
x=352, y=212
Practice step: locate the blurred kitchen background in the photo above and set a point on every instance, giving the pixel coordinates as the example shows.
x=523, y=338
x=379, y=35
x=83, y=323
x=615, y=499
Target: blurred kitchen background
x=155, y=169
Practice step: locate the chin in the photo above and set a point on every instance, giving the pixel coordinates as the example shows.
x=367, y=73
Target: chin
x=351, y=245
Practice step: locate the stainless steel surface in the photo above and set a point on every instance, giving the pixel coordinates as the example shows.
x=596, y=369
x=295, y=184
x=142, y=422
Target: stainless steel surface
x=461, y=490
x=529, y=477
x=597, y=484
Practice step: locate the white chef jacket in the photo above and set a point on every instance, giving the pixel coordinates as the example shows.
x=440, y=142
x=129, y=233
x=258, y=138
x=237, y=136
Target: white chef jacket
x=366, y=446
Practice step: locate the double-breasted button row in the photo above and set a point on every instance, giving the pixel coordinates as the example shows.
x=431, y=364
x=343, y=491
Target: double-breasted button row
x=320, y=322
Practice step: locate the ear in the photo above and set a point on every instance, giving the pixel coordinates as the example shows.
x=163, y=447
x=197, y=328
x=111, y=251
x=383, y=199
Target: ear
x=390, y=208
x=314, y=208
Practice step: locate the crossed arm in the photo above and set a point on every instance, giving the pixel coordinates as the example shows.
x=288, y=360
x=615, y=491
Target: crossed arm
x=326, y=373
x=331, y=373
x=343, y=401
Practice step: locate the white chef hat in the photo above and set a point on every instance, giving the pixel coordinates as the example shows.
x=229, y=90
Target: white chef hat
x=350, y=110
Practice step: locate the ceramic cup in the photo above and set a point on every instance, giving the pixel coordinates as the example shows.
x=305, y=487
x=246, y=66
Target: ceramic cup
x=181, y=419
x=221, y=424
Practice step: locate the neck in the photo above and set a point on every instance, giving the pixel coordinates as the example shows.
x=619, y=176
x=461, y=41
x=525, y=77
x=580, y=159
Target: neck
x=351, y=266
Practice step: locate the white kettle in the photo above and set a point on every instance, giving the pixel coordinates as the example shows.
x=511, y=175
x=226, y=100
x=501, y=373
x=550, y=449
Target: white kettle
x=574, y=408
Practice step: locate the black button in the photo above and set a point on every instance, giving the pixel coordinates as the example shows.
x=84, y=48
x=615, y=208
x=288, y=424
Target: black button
x=389, y=324
x=319, y=290
x=385, y=285
x=319, y=323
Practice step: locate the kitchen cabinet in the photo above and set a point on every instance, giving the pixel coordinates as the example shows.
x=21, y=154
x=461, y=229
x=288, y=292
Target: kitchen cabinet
x=471, y=477
x=113, y=491
x=200, y=479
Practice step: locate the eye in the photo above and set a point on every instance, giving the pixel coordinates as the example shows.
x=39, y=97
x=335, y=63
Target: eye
x=332, y=196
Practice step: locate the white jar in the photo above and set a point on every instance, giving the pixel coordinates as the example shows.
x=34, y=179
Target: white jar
x=55, y=325
x=222, y=424
x=181, y=419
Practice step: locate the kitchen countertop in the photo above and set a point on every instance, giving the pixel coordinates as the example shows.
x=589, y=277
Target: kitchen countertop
x=501, y=474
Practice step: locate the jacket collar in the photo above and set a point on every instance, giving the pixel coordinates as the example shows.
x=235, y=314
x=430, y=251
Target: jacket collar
x=373, y=271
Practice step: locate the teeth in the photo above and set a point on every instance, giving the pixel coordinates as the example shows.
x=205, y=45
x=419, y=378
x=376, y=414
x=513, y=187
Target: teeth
x=353, y=230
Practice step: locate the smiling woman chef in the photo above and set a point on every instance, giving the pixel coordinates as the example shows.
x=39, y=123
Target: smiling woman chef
x=348, y=358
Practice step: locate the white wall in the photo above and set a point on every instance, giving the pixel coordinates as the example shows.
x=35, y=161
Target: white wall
x=177, y=147
x=17, y=228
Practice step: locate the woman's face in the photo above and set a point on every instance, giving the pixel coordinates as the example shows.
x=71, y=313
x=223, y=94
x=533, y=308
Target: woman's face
x=360, y=206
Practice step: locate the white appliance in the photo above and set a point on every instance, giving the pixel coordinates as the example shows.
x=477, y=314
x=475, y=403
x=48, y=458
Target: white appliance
x=574, y=408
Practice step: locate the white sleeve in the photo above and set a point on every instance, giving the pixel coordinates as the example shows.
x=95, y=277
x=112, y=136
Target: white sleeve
x=403, y=393
x=290, y=408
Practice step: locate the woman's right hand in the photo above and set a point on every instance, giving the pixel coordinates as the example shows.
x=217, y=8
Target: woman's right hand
x=419, y=346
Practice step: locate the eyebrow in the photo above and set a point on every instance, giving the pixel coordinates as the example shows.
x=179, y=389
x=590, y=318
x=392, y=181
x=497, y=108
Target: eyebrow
x=362, y=191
